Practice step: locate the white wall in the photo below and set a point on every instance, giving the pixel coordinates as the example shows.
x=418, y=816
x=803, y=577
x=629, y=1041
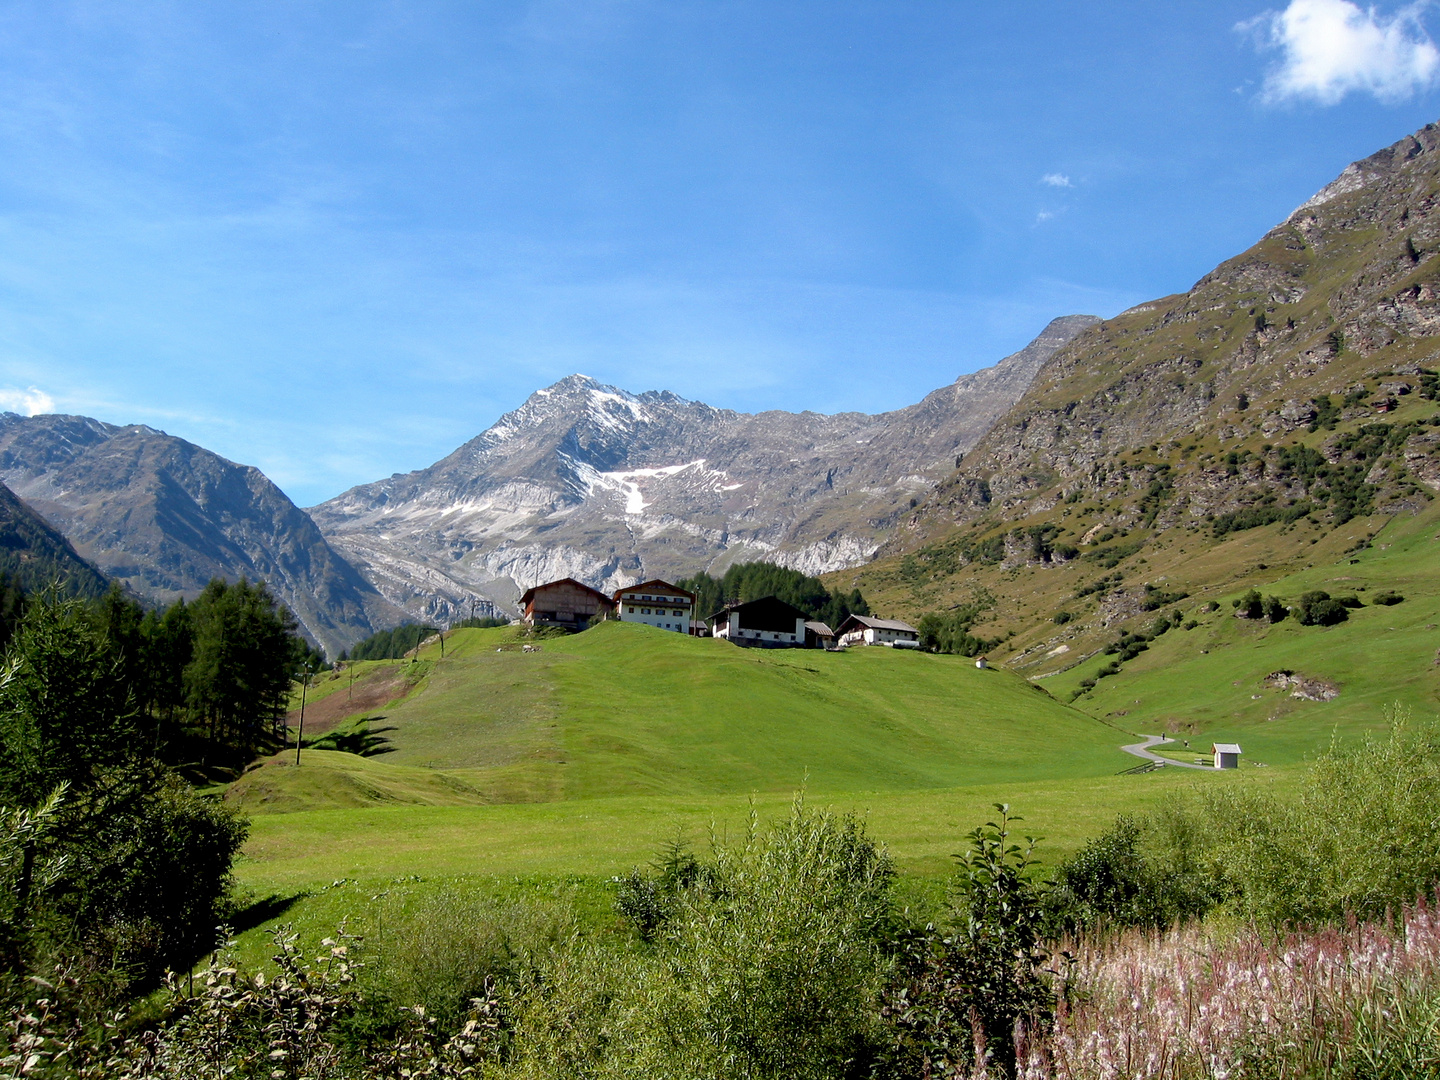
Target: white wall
x=661, y=612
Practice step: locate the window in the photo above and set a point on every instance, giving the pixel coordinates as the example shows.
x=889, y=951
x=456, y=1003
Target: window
x=631, y=610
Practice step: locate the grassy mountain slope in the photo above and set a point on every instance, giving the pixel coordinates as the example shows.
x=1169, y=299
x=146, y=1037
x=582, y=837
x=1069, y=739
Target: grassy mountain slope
x=35, y=554
x=1228, y=437
x=1213, y=680
x=627, y=710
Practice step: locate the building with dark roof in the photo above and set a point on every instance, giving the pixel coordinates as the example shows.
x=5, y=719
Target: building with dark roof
x=768, y=623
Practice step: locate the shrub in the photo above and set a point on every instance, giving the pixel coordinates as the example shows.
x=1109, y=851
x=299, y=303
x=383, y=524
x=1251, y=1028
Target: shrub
x=770, y=964
x=1114, y=882
x=1154, y=599
x=983, y=978
x=1063, y=617
x=1387, y=598
x=1274, y=610
x=447, y=948
x=647, y=901
x=1250, y=606
x=1360, y=838
x=1317, y=608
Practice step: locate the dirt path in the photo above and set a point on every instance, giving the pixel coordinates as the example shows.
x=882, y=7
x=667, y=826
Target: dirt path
x=369, y=695
x=1142, y=750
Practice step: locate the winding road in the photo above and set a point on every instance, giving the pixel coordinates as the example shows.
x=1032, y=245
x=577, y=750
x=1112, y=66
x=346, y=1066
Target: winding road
x=1142, y=750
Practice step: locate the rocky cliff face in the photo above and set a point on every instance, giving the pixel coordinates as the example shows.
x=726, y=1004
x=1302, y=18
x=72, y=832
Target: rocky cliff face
x=165, y=516
x=592, y=482
x=1290, y=390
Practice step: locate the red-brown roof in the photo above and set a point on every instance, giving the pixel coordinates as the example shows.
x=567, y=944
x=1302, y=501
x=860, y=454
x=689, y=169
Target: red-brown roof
x=655, y=583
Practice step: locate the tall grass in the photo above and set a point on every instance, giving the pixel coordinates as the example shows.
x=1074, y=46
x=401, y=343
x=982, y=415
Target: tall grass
x=1359, y=1000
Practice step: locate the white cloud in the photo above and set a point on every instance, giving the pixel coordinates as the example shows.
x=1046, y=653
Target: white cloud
x=1043, y=215
x=1055, y=179
x=29, y=402
x=1333, y=47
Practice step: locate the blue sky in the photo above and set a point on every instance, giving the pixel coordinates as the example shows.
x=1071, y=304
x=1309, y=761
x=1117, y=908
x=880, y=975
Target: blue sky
x=337, y=240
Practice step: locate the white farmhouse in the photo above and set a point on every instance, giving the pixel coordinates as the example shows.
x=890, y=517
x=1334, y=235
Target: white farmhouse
x=767, y=623
x=868, y=630
x=658, y=604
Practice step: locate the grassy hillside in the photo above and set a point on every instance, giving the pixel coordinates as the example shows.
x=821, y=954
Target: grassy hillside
x=1274, y=427
x=627, y=710
x=1211, y=681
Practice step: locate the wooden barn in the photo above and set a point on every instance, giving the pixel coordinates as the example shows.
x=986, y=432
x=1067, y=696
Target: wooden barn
x=768, y=623
x=567, y=604
x=656, y=603
x=868, y=630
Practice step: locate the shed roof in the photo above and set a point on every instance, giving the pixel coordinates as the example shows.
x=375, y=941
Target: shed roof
x=529, y=593
x=1225, y=748
x=819, y=628
x=878, y=624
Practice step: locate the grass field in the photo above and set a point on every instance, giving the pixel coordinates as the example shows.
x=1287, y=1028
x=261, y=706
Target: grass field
x=314, y=869
x=555, y=770
x=625, y=709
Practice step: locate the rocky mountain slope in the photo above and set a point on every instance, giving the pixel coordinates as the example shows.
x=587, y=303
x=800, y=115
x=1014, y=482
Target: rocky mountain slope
x=35, y=554
x=165, y=516
x=1276, y=416
x=592, y=482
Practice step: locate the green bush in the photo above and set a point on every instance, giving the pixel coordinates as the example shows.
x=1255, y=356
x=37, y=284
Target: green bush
x=1318, y=608
x=1361, y=837
x=984, y=976
x=1250, y=606
x=1137, y=874
x=769, y=964
x=449, y=947
x=1387, y=598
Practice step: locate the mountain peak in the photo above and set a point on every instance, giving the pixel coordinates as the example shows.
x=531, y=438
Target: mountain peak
x=1377, y=166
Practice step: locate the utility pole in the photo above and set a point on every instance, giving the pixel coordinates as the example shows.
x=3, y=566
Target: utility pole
x=300, y=731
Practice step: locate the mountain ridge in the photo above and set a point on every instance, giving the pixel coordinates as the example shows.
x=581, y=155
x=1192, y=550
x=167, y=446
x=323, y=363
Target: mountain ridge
x=590, y=481
x=163, y=516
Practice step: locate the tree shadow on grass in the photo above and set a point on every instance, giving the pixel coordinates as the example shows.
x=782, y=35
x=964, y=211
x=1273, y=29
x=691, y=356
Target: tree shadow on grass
x=362, y=739
x=262, y=911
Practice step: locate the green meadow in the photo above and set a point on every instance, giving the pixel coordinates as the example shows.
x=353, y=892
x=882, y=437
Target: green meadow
x=626, y=710
x=503, y=771
x=497, y=770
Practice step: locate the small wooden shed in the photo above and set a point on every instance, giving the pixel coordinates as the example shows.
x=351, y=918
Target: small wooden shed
x=1227, y=755
x=818, y=635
